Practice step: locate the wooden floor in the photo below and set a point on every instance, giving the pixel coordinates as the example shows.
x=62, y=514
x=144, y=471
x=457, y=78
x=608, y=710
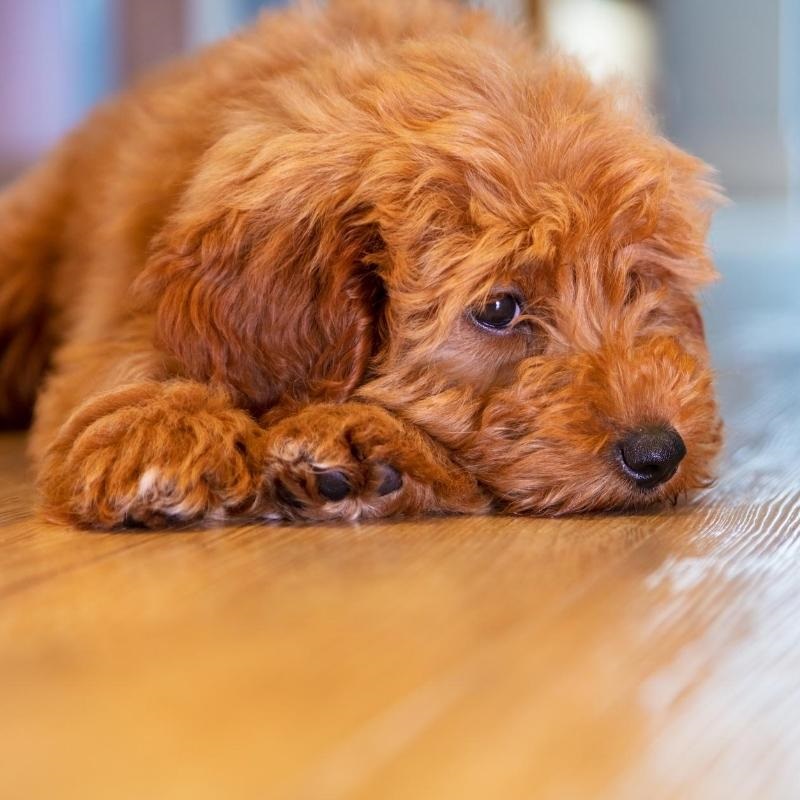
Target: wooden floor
x=627, y=657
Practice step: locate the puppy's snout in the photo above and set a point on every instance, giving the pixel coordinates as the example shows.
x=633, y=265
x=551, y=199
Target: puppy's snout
x=649, y=456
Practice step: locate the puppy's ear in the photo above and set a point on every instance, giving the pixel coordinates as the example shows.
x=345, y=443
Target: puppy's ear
x=265, y=277
x=685, y=217
x=694, y=321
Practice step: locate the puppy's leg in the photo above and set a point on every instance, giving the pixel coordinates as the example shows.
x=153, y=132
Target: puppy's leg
x=355, y=461
x=153, y=453
x=31, y=212
x=118, y=439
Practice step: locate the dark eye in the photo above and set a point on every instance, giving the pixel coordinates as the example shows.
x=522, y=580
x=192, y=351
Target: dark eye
x=498, y=313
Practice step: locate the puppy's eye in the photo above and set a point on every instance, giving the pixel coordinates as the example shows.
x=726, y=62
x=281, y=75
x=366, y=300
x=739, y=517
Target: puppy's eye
x=498, y=313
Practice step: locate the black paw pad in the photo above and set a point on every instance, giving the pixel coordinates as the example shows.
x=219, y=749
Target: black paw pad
x=333, y=485
x=390, y=479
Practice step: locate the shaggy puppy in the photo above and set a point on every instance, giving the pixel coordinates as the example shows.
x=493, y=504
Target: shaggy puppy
x=358, y=261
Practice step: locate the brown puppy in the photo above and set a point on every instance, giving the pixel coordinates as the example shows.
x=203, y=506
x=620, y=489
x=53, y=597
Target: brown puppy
x=359, y=261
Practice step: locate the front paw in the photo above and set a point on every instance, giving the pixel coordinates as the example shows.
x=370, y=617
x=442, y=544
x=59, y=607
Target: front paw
x=356, y=461
x=164, y=455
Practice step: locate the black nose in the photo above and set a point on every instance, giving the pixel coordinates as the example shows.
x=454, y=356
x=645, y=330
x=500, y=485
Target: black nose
x=649, y=456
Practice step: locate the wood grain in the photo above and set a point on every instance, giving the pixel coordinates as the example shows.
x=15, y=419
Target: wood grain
x=651, y=655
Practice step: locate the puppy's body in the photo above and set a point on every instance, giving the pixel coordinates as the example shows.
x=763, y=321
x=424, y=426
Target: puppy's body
x=255, y=281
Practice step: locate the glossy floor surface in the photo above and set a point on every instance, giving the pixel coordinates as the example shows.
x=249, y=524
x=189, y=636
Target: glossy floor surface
x=644, y=656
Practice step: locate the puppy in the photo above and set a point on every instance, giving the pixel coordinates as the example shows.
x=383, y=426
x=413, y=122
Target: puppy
x=357, y=261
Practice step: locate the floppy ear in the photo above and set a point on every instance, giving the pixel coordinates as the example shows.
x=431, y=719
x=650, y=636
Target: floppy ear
x=686, y=217
x=265, y=278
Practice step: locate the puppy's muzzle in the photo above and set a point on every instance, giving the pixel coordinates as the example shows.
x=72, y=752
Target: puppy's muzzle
x=650, y=456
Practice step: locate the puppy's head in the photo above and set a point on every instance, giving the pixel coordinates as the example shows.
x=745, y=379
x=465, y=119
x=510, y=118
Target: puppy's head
x=543, y=315
x=473, y=237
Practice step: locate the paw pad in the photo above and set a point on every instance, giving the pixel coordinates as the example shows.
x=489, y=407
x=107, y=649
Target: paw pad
x=390, y=479
x=333, y=485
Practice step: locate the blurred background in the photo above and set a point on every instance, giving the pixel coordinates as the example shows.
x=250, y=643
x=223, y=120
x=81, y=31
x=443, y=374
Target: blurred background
x=722, y=77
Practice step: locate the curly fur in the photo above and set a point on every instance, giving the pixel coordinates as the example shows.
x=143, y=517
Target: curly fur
x=257, y=266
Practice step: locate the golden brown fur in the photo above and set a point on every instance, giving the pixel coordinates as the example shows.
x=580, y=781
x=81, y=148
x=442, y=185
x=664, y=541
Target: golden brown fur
x=257, y=268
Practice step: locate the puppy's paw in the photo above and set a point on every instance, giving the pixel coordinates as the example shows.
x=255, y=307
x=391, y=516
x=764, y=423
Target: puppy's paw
x=154, y=455
x=356, y=461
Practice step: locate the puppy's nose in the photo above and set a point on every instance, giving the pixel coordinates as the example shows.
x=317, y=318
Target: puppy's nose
x=649, y=456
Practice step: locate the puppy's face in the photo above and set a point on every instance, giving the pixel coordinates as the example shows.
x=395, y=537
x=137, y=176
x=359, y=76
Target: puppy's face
x=542, y=318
